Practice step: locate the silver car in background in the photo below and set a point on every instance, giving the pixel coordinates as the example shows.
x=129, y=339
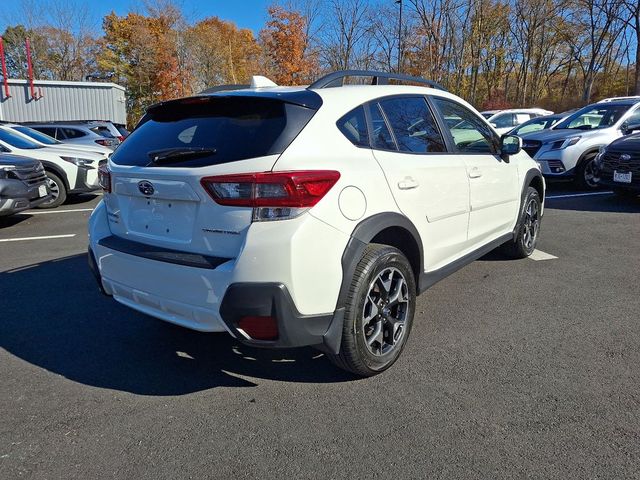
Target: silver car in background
x=83, y=133
x=48, y=141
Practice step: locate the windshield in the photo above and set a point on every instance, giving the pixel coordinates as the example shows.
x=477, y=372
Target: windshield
x=534, y=125
x=593, y=117
x=197, y=133
x=16, y=140
x=36, y=135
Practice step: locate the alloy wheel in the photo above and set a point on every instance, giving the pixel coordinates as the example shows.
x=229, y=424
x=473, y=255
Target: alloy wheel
x=385, y=311
x=54, y=188
x=590, y=174
x=531, y=223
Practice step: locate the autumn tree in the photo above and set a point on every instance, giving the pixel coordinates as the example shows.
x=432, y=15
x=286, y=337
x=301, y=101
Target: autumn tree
x=285, y=41
x=139, y=52
x=221, y=53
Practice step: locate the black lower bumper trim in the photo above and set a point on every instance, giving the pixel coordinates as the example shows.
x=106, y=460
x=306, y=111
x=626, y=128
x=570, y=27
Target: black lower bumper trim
x=161, y=254
x=93, y=266
x=273, y=300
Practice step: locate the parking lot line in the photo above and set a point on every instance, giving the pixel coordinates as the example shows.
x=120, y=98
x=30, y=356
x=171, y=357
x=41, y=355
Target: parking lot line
x=553, y=197
x=47, y=237
x=71, y=210
x=540, y=255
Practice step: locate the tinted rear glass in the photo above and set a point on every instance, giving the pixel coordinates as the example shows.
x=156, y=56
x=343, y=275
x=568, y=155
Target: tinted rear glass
x=236, y=128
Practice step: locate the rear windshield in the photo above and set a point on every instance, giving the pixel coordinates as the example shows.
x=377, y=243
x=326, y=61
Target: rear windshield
x=230, y=128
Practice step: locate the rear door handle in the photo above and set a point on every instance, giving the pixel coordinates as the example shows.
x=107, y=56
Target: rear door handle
x=408, y=183
x=475, y=173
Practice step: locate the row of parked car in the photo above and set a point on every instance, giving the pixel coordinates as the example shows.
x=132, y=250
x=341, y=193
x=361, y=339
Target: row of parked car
x=593, y=146
x=41, y=164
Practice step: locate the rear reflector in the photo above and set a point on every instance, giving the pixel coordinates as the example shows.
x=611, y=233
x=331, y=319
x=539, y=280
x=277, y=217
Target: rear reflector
x=300, y=189
x=259, y=328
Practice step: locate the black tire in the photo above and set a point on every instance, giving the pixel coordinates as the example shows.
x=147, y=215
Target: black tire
x=624, y=193
x=357, y=354
x=57, y=188
x=586, y=176
x=528, y=228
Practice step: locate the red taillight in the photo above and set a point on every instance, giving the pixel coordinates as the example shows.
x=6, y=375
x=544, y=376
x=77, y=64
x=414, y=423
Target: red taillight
x=103, y=142
x=104, y=178
x=259, y=328
x=121, y=138
x=300, y=189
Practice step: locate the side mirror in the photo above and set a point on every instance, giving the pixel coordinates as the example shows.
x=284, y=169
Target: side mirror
x=628, y=128
x=494, y=125
x=510, y=145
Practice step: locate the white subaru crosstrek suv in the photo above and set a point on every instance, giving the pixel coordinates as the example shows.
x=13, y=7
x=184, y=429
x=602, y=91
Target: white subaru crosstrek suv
x=292, y=216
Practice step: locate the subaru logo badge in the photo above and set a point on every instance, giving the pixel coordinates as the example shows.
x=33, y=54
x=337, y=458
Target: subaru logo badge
x=625, y=157
x=146, y=188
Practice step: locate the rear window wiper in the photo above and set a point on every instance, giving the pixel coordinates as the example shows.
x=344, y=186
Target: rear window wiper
x=170, y=155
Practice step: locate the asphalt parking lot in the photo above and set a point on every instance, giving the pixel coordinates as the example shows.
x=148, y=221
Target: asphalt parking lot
x=514, y=369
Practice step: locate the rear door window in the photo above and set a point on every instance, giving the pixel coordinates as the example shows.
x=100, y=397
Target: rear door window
x=228, y=128
x=380, y=135
x=505, y=120
x=413, y=125
x=47, y=131
x=73, y=132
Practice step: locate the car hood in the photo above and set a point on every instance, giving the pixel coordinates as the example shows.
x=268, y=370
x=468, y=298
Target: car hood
x=17, y=160
x=546, y=136
x=73, y=153
x=628, y=142
x=97, y=150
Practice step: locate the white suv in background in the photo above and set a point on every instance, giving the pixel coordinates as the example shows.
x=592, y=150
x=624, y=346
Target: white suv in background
x=506, y=120
x=292, y=216
x=68, y=171
x=568, y=150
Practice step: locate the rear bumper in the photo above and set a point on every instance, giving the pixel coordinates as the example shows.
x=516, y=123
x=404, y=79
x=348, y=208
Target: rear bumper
x=238, y=300
x=212, y=294
x=274, y=300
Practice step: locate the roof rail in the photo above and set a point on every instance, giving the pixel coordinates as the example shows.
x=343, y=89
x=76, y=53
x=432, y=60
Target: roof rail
x=617, y=99
x=336, y=79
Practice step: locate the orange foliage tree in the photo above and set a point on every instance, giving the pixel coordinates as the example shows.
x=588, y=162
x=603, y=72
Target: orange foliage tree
x=221, y=53
x=140, y=53
x=285, y=41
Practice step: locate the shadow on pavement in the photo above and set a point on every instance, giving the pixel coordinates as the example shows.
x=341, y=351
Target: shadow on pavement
x=79, y=199
x=603, y=202
x=53, y=316
x=11, y=220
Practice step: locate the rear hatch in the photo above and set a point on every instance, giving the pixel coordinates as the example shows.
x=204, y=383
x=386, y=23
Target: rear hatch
x=157, y=197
